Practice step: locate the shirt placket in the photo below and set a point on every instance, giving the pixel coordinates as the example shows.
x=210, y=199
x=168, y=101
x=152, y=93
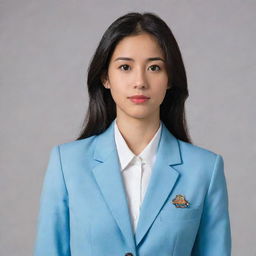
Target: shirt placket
x=138, y=180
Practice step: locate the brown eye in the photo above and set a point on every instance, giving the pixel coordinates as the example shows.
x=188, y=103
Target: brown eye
x=124, y=67
x=154, y=68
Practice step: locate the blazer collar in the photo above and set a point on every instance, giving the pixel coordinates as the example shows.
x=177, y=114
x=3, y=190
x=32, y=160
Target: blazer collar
x=126, y=155
x=105, y=145
x=108, y=176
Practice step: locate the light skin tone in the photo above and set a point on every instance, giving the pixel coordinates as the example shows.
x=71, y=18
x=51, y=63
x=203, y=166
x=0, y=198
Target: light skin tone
x=137, y=66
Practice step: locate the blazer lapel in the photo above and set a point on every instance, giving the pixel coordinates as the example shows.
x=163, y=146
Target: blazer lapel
x=161, y=183
x=109, y=179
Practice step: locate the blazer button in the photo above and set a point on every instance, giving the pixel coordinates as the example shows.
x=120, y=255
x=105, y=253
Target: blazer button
x=128, y=254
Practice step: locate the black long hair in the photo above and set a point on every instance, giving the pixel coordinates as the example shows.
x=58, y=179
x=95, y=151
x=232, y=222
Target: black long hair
x=102, y=108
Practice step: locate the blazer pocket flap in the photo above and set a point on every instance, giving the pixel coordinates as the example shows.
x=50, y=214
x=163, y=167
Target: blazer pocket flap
x=172, y=213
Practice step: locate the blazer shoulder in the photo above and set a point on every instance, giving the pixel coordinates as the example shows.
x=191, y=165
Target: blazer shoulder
x=77, y=147
x=198, y=152
x=203, y=161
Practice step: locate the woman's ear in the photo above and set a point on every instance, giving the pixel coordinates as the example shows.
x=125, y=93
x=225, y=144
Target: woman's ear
x=105, y=82
x=168, y=87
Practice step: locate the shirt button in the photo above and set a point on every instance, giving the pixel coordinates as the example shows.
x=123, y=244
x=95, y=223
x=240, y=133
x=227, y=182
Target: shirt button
x=136, y=161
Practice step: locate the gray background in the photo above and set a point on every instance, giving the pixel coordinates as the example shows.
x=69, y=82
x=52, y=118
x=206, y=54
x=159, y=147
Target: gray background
x=45, y=48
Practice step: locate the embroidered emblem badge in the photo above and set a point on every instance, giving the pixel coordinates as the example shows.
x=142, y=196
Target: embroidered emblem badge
x=180, y=202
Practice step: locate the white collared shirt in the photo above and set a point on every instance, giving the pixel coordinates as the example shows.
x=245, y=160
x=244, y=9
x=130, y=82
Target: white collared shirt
x=136, y=170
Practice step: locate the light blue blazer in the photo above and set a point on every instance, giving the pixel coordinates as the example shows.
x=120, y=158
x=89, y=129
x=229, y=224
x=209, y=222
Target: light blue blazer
x=84, y=210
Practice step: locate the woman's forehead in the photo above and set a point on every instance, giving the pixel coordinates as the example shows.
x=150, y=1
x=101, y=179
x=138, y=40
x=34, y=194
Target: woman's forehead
x=138, y=46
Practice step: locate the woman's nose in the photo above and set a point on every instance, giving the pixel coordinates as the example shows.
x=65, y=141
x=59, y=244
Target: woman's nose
x=140, y=79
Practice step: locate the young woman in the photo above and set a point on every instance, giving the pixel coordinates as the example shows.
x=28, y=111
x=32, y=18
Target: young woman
x=133, y=184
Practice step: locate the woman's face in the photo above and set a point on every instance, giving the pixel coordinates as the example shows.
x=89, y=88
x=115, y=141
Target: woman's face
x=137, y=67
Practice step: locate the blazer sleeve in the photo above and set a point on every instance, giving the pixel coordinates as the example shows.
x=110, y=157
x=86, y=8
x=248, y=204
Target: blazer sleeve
x=53, y=234
x=214, y=234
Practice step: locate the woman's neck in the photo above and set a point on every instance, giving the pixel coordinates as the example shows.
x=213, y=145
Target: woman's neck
x=137, y=132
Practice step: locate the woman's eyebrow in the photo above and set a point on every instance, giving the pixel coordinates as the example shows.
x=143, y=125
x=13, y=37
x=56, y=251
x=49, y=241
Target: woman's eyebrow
x=130, y=59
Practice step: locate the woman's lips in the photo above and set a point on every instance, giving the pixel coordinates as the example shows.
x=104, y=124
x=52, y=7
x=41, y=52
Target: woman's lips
x=139, y=98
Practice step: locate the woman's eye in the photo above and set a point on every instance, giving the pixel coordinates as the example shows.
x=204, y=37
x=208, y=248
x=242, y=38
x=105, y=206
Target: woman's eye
x=124, y=67
x=154, y=68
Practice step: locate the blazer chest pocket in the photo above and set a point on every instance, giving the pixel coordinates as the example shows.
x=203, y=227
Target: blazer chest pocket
x=172, y=213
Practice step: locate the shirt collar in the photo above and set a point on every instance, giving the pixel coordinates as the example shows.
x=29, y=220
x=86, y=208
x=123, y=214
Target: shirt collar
x=126, y=155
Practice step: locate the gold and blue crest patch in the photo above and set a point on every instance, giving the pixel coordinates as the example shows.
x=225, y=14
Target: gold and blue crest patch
x=180, y=202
